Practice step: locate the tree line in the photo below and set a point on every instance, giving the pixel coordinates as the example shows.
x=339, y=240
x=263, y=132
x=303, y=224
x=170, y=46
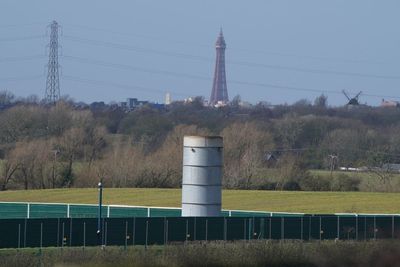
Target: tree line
x=265, y=147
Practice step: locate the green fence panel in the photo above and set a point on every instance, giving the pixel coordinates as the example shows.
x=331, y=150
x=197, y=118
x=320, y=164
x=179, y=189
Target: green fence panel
x=83, y=232
x=329, y=228
x=283, y=214
x=86, y=211
x=201, y=228
x=156, y=231
x=215, y=228
x=127, y=212
x=363, y=228
x=225, y=213
x=160, y=212
x=276, y=227
x=115, y=231
x=176, y=229
x=13, y=210
x=59, y=232
x=235, y=228
x=396, y=227
x=383, y=227
x=12, y=233
x=292, y=227
x=236, y=213
x=65, y=233
x=48, y=211
x=41, y=233
x=140, y=231
x=347, y=227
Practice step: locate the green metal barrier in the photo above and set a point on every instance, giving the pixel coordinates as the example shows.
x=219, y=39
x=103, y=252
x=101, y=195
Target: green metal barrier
x=62, y=232
x=14, y=210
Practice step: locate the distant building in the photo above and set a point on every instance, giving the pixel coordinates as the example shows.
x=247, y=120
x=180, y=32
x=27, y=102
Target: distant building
x=168, y=99
x=389, y=103
x=132, y=103
x=391, y=167
x=220, y=104
x=97, y=105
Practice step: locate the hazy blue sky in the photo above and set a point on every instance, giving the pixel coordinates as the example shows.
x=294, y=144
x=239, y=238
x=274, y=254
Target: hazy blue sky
x=112, y=50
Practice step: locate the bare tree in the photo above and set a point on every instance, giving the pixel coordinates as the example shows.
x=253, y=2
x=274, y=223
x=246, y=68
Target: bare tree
x=245, y=145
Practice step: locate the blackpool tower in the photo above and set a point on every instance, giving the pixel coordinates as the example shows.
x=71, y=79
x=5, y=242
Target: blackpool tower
x=219, y=93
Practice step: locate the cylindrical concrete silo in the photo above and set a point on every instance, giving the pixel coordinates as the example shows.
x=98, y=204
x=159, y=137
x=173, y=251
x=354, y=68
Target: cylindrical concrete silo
x=202, y=175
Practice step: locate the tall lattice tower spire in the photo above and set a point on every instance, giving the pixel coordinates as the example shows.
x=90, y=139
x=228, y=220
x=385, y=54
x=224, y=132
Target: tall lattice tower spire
x=219, y=91
x=53, y=80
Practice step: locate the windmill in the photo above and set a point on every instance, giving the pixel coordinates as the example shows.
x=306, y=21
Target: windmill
x=352, y=100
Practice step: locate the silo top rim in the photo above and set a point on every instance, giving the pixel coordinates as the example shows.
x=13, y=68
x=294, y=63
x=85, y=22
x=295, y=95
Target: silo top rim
x=203, y=141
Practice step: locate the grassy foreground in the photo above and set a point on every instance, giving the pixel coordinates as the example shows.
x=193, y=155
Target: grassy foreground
x=284, y=201
x=254, y=253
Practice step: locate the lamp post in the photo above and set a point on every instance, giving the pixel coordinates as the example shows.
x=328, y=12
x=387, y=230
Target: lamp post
x=99, y=228
x=332, y=158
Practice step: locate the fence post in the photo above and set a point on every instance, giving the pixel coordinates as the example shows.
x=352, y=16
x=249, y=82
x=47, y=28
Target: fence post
x=356, y=226
x=147, y=232
x=338, y=227
x=320, y=228
x=166, y=232
x=84, y=234
x=63, y=234
x=392, y=227
x=58, y=232
x=365, y=227
x=19, y=235
x=25, y=233
x=244, y=228
x=187, y=229
x=68, y=211
x=249, y=236
x=230, y=213
x=225, y=229
x=282, y=228
x=253, y=228
x=375, y=228
x=41, y=236
x=28, y=211
x=126, y=234
x=134, y=231
x=148, y=212
x=206, y=229
x=70, y=232
x=301, y=226
x=105, y=234
x=195, y=229
x=108, y=211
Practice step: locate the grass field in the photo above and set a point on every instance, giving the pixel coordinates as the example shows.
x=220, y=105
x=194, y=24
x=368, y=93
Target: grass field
x=284, y=201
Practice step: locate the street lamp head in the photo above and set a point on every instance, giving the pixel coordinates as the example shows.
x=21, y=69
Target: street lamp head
x=100, y=185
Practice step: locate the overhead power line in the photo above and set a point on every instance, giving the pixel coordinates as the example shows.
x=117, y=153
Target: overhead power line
x=232, y=62
x=118, y=85
x=252, y=51
x=22, y=38
x=22, y=25
x=21, y=78
x=134, y=68
x=24, y=58
x=205, y=78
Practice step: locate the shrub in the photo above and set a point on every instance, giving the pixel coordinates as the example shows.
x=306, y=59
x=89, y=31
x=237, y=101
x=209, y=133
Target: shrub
x=343, y=182
x=315, y=183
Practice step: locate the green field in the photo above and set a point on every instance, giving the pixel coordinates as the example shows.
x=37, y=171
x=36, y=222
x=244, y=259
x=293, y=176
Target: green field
x=283, y=201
